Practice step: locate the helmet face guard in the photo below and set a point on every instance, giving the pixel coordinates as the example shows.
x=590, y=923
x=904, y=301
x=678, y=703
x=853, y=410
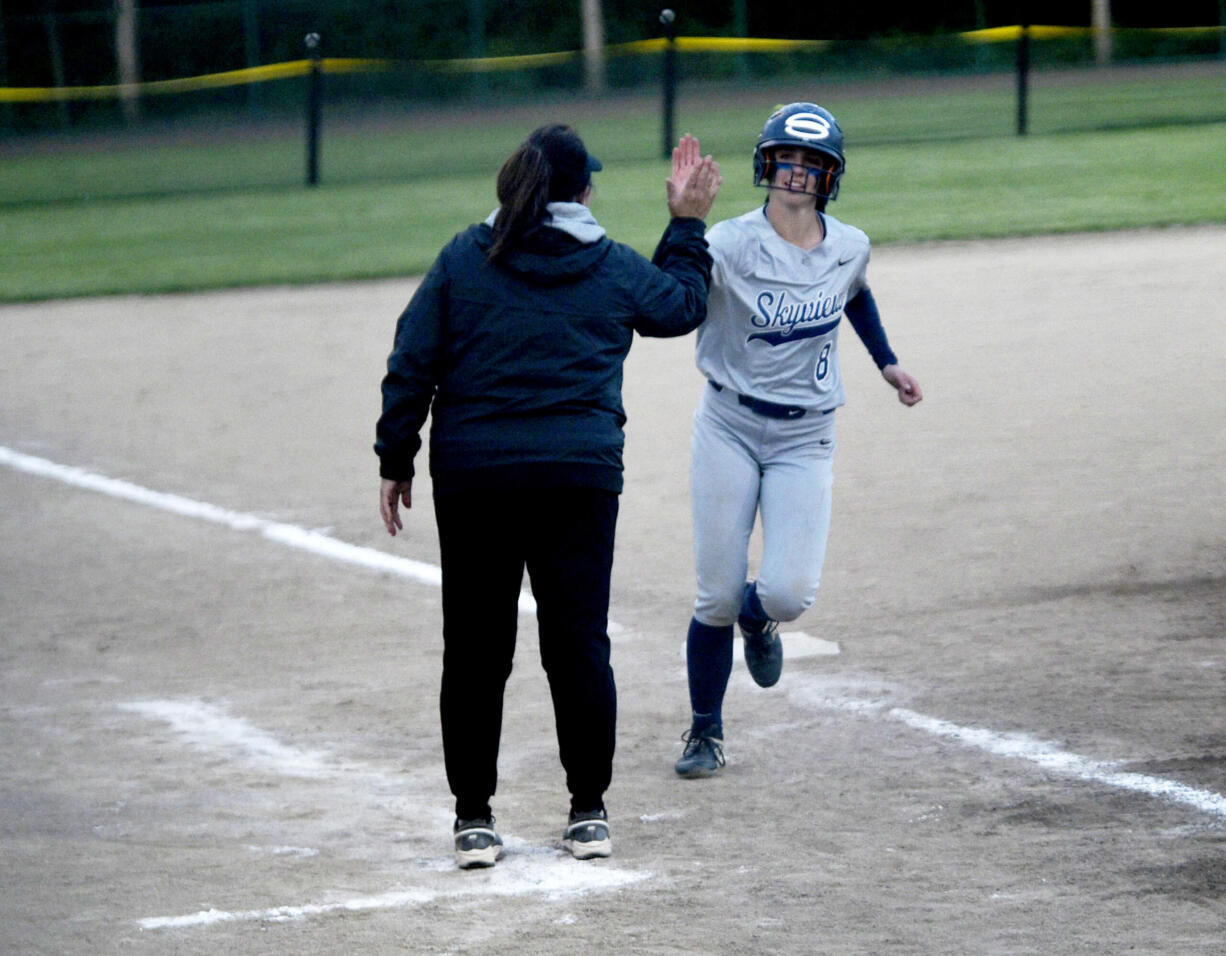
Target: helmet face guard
x=820, y=181
x=801, y=126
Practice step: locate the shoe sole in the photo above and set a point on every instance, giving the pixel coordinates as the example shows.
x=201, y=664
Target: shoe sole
x=767, y=682
x=698, y=773
x=476, y=859
x=589, y=851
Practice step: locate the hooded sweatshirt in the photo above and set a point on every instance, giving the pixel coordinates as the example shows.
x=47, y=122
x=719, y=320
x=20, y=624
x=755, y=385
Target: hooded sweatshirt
x=519, y=362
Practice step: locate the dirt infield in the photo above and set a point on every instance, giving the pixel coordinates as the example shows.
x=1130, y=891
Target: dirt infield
x=218, y=731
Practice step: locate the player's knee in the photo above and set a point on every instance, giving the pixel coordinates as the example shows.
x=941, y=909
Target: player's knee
x=786, y=604
x=719, y=610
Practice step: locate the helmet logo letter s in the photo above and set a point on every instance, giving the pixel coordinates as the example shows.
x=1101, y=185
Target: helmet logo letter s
x=807, y=126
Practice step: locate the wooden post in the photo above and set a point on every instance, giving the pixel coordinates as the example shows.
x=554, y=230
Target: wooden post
x=1100, y=20
x=593, y=47
x=127, y=54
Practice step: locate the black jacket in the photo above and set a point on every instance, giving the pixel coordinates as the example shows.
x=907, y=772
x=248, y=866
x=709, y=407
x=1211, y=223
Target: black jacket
x=523, y=360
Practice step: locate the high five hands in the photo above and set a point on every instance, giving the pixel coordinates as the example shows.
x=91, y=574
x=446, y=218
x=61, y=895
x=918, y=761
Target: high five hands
x=695, y=180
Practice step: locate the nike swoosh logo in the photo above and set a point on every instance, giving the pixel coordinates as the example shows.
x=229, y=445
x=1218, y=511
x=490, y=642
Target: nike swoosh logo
x=843, y=260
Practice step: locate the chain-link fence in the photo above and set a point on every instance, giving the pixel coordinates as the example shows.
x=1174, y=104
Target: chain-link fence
x=247, y=128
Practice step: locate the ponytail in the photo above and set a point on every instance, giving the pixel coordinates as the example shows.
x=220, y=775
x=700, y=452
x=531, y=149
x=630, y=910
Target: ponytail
x=523, y=193
x=552, y=165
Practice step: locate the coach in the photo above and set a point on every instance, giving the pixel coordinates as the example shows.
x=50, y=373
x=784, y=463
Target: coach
x=515, y=342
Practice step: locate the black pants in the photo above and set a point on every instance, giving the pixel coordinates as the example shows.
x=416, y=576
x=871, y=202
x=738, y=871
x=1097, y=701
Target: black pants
x=564, y=537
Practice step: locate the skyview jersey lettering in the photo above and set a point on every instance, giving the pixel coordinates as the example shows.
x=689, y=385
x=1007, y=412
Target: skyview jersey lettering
x=775, y=310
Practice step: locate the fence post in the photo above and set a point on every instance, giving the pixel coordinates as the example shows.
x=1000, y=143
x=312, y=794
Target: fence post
x=478, y=80
x=51, y=28
x=1023, y=77
x=594, y=77
x=6, y=110
x=251, y=50
x=127, y=56
x=314, y=106
x=669, y=19
x=1100, y=24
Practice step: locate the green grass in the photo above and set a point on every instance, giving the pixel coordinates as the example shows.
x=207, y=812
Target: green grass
x=391, y=197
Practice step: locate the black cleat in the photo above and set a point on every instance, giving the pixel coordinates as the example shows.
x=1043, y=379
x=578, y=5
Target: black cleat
x=704, y=754
x=763, y=646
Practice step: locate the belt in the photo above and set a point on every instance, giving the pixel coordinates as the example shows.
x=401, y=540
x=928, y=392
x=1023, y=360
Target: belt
x=769, y=409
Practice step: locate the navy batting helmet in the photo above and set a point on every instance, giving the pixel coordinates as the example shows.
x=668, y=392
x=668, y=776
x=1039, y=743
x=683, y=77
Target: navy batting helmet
x=801, y=126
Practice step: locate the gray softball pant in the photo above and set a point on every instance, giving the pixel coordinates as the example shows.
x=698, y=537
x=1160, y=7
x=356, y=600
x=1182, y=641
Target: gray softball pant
x=743, y=463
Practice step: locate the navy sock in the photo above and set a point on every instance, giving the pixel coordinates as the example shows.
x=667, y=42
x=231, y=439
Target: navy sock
x=708, y=661
x=751, y=607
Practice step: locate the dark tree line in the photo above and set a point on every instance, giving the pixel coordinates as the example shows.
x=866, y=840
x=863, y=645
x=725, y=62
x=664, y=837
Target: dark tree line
x=73, y=42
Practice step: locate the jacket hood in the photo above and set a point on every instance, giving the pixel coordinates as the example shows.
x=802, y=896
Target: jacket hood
x=567, y=245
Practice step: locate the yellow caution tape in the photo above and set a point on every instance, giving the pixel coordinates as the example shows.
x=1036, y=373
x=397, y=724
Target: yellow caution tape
x=719, y=45
x=656, y=45
x=209, y=81
x=1013, y=34
x=337, y=65
x=494, y=64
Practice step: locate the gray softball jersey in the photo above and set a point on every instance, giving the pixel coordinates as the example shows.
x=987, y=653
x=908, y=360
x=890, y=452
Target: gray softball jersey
x=774, y=311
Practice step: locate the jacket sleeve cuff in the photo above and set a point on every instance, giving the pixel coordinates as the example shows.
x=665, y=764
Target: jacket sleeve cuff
x=395, y=470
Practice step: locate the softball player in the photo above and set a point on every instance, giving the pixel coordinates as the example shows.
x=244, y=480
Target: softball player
x=784, y=278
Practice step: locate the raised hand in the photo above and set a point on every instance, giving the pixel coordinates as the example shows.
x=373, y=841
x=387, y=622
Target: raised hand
x=695, y=180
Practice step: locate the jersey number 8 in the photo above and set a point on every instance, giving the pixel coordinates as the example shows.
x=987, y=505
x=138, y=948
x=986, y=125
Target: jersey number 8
x=823, y=362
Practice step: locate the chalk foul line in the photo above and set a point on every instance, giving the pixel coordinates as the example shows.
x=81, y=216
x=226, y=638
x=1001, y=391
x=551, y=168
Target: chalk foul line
x=1019, y=746
x=209, y=727
x=527, y=869
x=534, y=870
x=289, y=535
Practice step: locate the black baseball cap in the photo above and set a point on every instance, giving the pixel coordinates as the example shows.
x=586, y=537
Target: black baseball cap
x=569, y=159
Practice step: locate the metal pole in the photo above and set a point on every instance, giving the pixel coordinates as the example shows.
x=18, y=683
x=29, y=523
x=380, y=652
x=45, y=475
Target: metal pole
x=740, y=28
x=314, y=107
x=479, y=84
x=1221, y=20
x=669, y=19
x=251, y=49
x=1023, y=77
x=6, y=111
x=57, y=64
